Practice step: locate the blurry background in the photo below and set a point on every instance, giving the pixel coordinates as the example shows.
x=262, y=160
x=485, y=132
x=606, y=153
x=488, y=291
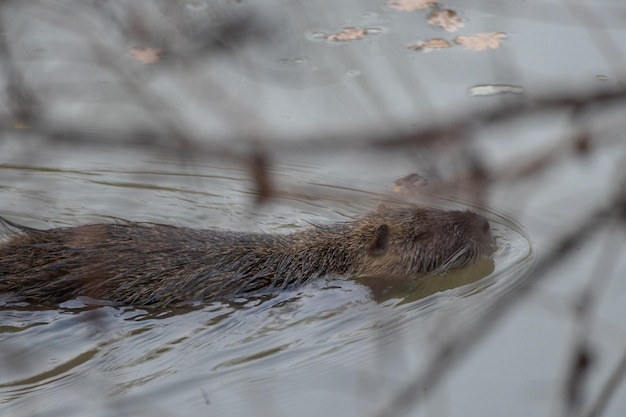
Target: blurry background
x=273, y=116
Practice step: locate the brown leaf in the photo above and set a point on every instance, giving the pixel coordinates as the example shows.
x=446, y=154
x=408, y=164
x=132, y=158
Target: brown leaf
x=147, y=55
x=20, y=125
x=430, y=45
x=481, y=41
x=411, y=185
x=446, y=19
x=347, y=34
x=410, y=5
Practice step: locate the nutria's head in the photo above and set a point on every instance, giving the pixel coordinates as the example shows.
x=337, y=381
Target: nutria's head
x=413, y=241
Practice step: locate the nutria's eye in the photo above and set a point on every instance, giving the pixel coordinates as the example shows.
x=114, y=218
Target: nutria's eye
x=380, y=242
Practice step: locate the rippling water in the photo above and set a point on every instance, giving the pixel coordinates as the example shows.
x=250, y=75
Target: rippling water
x=334, y=337
x=336, y=346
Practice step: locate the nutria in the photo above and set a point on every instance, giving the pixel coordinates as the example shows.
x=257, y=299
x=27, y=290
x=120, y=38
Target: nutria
x=160, y=265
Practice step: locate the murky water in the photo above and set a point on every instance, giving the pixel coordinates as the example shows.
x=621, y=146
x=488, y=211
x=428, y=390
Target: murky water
x=225, y=359
x=335, y=346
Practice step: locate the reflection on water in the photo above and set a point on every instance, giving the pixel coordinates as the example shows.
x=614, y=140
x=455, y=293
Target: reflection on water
x=413, y=290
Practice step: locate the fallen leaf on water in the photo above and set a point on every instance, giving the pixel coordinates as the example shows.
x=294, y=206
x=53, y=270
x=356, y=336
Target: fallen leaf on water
x=446, y=19
x=20, y=125
x=347, y=34
x=410, y=186
x=147, y=55
x=430, y=45
x=410, y=5
x=481, y=41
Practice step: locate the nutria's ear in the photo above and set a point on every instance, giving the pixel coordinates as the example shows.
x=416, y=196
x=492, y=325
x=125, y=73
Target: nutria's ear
x=380, y=242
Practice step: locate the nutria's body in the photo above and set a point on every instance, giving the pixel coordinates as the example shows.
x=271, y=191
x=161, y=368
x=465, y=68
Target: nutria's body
x=154, y=264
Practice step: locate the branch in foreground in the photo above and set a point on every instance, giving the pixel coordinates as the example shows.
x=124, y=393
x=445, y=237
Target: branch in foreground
x=452, y=351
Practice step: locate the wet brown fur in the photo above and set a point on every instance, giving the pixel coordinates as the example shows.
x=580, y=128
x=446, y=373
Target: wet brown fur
x=154, y=264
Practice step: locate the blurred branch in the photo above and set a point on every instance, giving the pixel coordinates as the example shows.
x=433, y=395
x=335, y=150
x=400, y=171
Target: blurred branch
x=459, y=130
x=608, y=389
x=22, y=102
x=451, y=351
x=583, y=358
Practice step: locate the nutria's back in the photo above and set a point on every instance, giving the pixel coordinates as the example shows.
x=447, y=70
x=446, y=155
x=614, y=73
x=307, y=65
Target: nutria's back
x=155, y=264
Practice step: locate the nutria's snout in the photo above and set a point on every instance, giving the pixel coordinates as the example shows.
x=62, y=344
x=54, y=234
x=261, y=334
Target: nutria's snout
x=470, y=241
x=489, y=241
x=479, y=234
x=483, y=228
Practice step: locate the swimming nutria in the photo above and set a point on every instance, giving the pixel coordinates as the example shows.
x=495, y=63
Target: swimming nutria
x=160, y=265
